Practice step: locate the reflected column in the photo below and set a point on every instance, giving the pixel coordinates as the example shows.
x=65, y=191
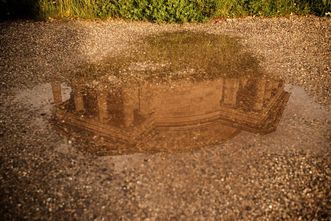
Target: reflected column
x=78, y=97
x=260, y=93
x=129, y=105
x=102, y=106
x=57, y=92
x=231, y=87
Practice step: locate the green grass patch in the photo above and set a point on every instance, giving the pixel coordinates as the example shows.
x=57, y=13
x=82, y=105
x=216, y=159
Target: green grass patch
x=159, y=10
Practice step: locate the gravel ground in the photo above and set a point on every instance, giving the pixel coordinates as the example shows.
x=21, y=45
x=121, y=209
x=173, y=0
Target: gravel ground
x=284, y=175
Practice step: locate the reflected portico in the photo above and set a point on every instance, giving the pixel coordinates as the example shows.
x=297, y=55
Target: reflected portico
x=144, y=113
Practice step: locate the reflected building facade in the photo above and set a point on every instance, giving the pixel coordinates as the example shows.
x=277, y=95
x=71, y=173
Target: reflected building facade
x=180, y=115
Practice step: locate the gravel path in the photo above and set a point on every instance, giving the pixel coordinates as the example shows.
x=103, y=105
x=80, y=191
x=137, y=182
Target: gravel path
x=295, y=48
x=283, y=175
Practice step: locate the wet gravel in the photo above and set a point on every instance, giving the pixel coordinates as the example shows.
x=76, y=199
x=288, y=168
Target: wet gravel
x=284, y=175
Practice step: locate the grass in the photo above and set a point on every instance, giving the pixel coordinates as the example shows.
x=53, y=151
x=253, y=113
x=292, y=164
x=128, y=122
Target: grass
x=159, y=10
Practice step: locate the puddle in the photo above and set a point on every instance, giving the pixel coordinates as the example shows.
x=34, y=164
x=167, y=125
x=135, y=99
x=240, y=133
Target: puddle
x=180, y=91
x=176, y=55
x=174, y=92
x=144, y=116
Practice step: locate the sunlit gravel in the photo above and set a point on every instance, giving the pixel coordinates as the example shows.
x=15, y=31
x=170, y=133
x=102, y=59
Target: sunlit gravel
x=284, y=175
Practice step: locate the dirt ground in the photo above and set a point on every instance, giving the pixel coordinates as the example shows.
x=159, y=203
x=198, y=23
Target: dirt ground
x=284, y=175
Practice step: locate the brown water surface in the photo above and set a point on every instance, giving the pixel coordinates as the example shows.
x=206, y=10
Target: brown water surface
x=178, y=92
x=178, y=116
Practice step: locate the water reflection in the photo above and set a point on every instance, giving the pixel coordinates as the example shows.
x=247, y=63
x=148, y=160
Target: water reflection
x=138, y=116
x=176, y=55
x=172, y=91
